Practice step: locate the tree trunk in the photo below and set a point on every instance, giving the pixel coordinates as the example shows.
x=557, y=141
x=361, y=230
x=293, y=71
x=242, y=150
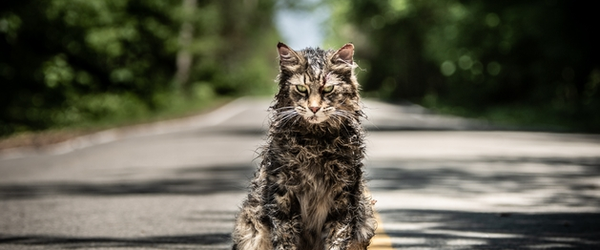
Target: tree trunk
x=186, y=36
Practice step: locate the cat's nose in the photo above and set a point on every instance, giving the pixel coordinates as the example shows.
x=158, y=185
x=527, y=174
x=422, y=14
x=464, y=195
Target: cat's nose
x=314, y=109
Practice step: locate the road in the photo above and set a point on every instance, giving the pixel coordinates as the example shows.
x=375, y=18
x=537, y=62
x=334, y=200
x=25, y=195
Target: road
x=440, y=183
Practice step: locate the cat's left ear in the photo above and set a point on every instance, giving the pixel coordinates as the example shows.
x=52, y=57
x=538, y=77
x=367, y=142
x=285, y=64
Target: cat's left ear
x=288, y=58
x=344, y=55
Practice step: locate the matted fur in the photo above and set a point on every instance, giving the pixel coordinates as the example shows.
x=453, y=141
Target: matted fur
x=309, y=191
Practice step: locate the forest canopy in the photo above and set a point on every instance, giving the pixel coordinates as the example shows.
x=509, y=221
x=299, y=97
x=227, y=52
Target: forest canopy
x=66, y=62
x=71, y=62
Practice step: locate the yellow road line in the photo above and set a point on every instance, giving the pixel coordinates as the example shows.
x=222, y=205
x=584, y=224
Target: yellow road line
x=381, y=241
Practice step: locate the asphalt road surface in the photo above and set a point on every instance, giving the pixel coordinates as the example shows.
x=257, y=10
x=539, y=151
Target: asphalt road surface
x=441, y=183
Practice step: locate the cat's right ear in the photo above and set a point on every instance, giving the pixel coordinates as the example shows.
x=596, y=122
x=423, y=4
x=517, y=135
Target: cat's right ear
x=288, y=58
x=344, y=55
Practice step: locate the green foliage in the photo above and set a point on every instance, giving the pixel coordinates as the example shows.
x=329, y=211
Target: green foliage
x=72, y=62
x=481, y=57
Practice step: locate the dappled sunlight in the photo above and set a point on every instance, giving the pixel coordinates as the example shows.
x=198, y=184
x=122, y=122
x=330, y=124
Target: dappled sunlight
x=478, y=190
x=442, y=229
x=487, y=185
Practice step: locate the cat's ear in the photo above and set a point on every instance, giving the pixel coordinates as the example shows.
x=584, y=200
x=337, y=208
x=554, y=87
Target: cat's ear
x=344, y=55
x=288, y=58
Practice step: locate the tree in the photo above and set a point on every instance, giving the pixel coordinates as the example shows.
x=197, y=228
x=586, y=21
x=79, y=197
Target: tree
x=66, y=62
x=532, y=61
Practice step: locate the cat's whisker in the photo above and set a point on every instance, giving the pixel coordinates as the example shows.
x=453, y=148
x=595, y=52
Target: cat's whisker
x=287, y=120
x=341, y=122
x=283, y=118
x=284, y=108
x=345, y=114
x=285, y=112
x=296, y=120
x=284, y=115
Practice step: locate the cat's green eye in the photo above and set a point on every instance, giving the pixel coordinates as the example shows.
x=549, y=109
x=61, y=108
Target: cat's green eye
x=301, y=88
x=328, y=89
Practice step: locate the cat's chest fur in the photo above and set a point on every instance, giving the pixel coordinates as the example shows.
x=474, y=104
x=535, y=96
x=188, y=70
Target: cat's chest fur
x=314, y=170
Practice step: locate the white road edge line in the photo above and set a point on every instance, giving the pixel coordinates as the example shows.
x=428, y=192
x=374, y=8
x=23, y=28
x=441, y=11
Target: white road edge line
x=213, y=118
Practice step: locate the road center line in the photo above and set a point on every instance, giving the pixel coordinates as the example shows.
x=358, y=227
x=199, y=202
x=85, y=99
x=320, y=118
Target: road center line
x=381, y=241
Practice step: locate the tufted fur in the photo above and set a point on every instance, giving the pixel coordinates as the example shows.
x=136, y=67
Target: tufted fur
x=309, y=192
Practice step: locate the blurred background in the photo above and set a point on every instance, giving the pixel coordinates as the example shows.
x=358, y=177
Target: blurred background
x=88, y=64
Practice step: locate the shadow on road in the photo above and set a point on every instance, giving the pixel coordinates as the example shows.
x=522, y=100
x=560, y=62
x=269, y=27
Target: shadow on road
x=458, y=204
x=467, y=230
x=156, y=242
x=534, y=182
x=186, y=181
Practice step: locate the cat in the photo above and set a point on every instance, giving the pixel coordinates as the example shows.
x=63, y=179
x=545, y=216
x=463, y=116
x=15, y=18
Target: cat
x=309, y=191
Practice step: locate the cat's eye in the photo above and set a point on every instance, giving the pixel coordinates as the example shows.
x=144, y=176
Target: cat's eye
x=301, y=88
x=328, y=89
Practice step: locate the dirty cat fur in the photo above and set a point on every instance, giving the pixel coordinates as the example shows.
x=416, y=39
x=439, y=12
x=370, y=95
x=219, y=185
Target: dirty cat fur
x=309, y=191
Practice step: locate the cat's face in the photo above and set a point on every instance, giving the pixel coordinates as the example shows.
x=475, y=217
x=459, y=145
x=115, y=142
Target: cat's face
x=319, y=85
